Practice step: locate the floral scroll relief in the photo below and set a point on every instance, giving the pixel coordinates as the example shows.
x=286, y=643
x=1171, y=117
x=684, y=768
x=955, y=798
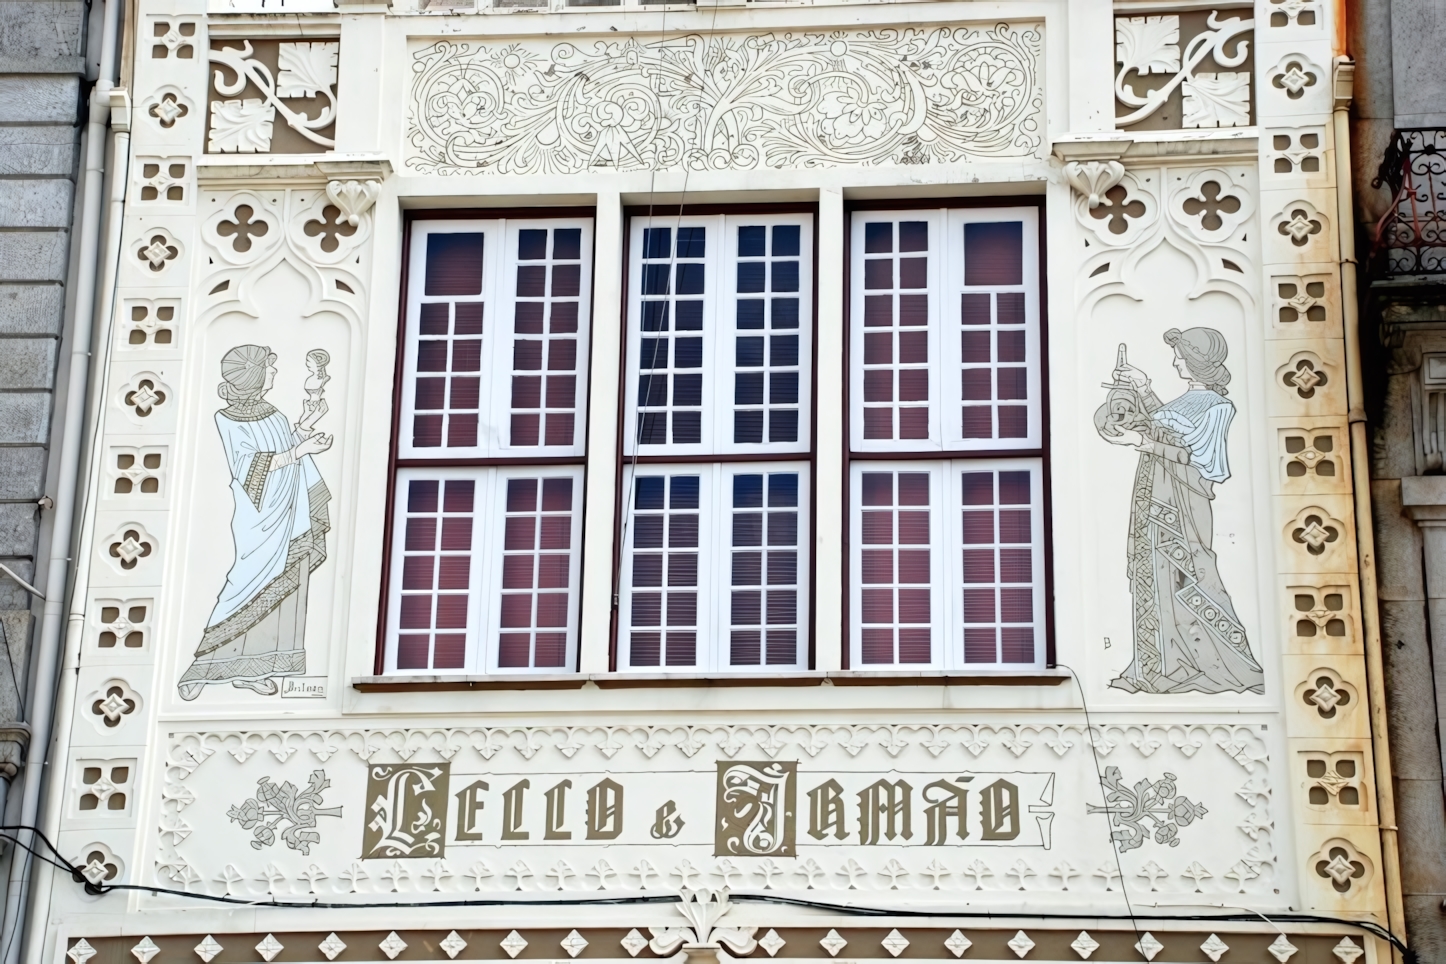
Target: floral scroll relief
x=245, y=126
x=1151, y=45
x=730, y=102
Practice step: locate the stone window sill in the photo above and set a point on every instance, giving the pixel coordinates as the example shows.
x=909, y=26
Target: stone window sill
x=531, y=681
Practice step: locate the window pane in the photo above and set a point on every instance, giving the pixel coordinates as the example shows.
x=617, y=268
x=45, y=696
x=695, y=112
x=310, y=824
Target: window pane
x=436, y=557
x=773, y=274
x=994, y=253
x=896, y=347
x=671, y=417
x=664, y=538
x=896, y=568
x=999, y=588
x=454, y=264
x=547, y=288
x=765, y=589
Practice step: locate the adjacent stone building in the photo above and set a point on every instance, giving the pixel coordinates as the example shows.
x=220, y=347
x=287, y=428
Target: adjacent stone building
x=43, y=85
x=1399, y=159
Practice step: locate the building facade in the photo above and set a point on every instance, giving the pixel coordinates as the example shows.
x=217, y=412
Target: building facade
x=777, y=480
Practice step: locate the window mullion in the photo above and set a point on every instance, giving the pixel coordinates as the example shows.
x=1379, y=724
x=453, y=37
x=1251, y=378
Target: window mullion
x=486, y=576
x=712, y=550
x=501, y=284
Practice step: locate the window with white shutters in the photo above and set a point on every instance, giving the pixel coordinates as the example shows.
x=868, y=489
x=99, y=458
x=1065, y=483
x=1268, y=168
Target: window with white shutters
x=946, y=343
x=946, y=368
x=720, y=334
x=496, y=339
x=484, y=573
x=948, y=563
x=715, y=558
x=485, y=526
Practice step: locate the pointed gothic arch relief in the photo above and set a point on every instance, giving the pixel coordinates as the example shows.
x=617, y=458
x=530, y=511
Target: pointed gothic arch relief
x=1204, y=213
x=320, y=232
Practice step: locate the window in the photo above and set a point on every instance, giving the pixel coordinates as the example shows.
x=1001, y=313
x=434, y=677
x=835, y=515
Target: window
x=484, y=569
x=946, y=334
x=496, y=339
x=720, y=334
x=719, y=373
x=485, y=524
x=715, y=563
x=947, y=545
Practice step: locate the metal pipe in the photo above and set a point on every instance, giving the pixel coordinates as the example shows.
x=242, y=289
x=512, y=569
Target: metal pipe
x=1365, y=525
x=42, y=699
x=43, y=873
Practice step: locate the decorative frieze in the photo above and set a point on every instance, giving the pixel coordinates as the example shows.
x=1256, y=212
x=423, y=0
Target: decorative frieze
x=794, y=100
x=594, y=942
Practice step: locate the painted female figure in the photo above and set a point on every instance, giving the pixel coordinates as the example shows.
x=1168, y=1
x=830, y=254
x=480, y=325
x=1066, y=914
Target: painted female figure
x=1187, y=636
x=257, y=630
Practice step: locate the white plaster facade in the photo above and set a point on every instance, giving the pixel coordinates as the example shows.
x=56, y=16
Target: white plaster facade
x=588, y=781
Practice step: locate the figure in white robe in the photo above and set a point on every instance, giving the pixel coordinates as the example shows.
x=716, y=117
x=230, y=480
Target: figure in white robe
x=257, y=629
x=1187, y=636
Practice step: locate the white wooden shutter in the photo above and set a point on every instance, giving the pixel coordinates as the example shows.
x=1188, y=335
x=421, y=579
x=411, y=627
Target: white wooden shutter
x=720, y=334
x=496, y=339
x=485, y=570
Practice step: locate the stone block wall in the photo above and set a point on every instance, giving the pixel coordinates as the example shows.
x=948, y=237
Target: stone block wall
x=42, y=89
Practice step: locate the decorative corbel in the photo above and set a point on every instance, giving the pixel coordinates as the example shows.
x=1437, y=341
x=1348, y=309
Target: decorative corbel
x=353, y=198
x=1094, y=178
x=702, y=941
x=1343, y=77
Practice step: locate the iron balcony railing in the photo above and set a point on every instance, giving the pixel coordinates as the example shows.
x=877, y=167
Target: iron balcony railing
x=1410, y=240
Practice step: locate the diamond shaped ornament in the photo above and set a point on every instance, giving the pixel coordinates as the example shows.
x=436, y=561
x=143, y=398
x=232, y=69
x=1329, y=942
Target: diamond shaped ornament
x=1281, y=949
x=1214, y=947
x=958, y=943
x=771, y=942
x=895, y=943
x=513, y=944
x=1148, y=946
x=573, y=943
x=269, y=948
x=1020, y=944
x=82, y=952
x=1347, y=951
x=452, y=944
x=145, y=950
x=1084, y=945
x=392, y=946
x=833, y=942
x=207, y=949
x=332, y=946
x=634, y=942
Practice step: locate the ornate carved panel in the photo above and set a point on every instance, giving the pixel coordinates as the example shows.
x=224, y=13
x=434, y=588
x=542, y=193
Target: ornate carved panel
x=738, y=101
x=1183, y=70
x=935, y=810
x=272, y=97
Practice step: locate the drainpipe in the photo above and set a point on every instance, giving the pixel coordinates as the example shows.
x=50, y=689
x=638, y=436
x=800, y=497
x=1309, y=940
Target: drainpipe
x=1361, y=484
x=36, y=931
x=72, y=439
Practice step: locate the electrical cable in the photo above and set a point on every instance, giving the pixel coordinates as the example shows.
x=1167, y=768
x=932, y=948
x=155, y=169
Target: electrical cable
x=630, y=480
x=858, y=910
x=14, y=679
x=1100, y=777
x=1408, y=956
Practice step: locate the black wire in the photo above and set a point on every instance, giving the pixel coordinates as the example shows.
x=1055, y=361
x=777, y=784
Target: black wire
x=1369, y=927
x=1099, y=776
x=10, y=661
